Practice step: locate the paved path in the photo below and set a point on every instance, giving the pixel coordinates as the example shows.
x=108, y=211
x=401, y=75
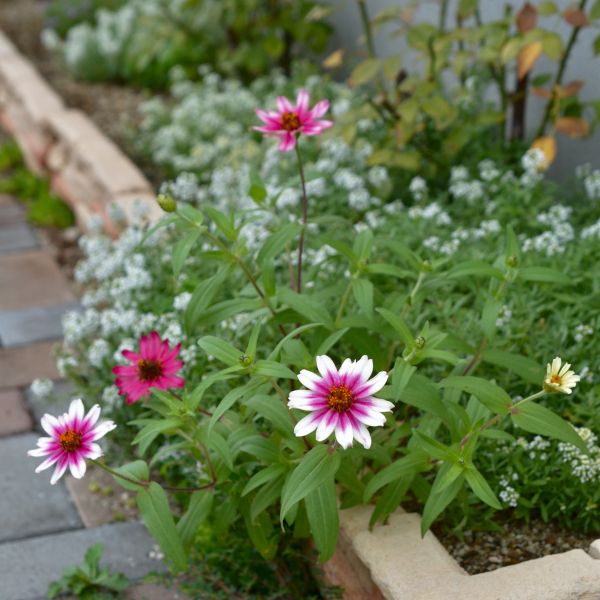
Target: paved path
x=41, y=530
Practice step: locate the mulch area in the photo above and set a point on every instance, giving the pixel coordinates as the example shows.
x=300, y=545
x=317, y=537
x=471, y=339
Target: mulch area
x=516, y=542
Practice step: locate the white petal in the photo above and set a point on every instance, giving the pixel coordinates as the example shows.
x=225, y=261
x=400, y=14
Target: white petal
x=327, y=425
x=362, y=435
x=93, y=415
x=343, y=432
x=326, y=366
x=77, y=466
x=102, y=429
x=61, y=467
x=50, y=424
x=311, y=403
x=95, y=452
x=308, y=424
x=346, y=367
x=308, y=379
x=76, y=410
x=556, y=365
x=373, y=385
x=39, y=452
x=377, y=404
x=363, y=368
x=368, y=416
x=46, y=464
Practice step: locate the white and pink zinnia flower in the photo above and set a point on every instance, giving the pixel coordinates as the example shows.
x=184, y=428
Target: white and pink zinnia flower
x=288, y=121
x=72, y=440
x=340, y=401
x=154, y=367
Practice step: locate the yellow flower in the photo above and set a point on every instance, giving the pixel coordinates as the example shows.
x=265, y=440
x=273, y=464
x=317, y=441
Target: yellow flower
x=559, y=378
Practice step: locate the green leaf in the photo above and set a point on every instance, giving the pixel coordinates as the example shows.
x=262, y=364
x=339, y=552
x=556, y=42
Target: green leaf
x=138, y=470
x=488, y=393
x=277, y=242
x=363, y=245
x=224, y=224
x=399, y=325
x=543, y=275
x=261, y=533
x=596, y=46
x=474, y=268
x=253, y=341
x=152, y=430
x=292, y=335
x=181, y=250
x=317, y=466
x=330, y=341
x=405, y=467
x=321, y=509
x=307, y=307
x=453, y=473
x=481, y=487
x=489, y=316
x=202, y=297
x=190, y=214
x=156, y=514
x=266, y=496
x=434, y=448
x=390, y=499
x=365, y=71
x=401, y=374
x=271, y=368
x=226, y=403
x=438, y=498
x=363, y=294
x=273, y=409
x=523, y=366
x=263, y=476
x=536, y=418
x=197, y=512
x=420, y=392
x=548, y=8
x=595, y=10
x=221, y=349
x=257, y=191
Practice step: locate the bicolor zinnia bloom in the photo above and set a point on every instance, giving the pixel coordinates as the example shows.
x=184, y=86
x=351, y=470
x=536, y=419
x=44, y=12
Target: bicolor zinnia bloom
x=154, y=367
x=559, y=378
x=72, y=440
x=288, y=121
x=340, y=401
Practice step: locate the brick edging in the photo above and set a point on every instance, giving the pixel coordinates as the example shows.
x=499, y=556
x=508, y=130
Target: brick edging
x=85, y=168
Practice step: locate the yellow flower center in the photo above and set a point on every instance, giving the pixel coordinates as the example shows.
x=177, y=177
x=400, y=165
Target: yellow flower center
x=556, y=379
x=149, y=370
x=340, y=398
x=70, y=440
x=290, y=121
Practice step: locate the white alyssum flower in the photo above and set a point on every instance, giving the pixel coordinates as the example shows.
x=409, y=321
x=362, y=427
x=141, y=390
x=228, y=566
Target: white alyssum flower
x=559, y=378
x=41, y=388
x=418, y=188
x=181, y=301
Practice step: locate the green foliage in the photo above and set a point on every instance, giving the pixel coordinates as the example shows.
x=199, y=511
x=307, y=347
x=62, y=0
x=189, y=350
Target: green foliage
x=90, y=581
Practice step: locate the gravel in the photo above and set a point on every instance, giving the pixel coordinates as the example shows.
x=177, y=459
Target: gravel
x=516, y=542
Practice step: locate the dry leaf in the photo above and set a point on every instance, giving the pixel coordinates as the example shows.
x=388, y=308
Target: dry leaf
x=541, y=92
x=334, y=60
x=572, y=126
x=547, y=145
x=527, y=18
x=576, y=17
x=527, y=58
x=570, y=89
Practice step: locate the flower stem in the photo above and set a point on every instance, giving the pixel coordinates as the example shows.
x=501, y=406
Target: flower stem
x=145, y=483
x=343, y=303
x=304, y=220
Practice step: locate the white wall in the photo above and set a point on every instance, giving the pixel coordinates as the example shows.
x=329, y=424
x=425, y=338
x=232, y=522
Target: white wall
x=582, y=63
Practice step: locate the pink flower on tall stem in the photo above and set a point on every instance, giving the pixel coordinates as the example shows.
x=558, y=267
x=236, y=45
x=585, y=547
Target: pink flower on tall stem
x=288, y=121
x=72, y=440
x=340, y=401
x=154, y=367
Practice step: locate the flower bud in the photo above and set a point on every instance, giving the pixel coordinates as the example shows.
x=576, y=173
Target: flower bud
x=420, y=342
x=167, y=203
x=512, y=262
x=245, y=360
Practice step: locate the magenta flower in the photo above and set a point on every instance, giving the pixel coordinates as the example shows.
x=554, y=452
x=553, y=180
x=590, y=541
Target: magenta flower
x=340, y=401
x=154, y=367
x=72, y=440
x=289, y=121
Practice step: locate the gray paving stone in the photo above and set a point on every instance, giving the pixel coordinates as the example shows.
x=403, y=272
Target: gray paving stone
x=56, y=404
x=11, y=214
x=28, y=566
x=29, y=325
x=29, y=505
x=17, y=237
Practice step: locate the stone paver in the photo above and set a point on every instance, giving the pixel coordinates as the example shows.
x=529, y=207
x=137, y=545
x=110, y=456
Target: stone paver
x=11, y=211
x=151, y=591
x=14, y=417
x=27, y=567
x=21, y=365
x=29, y=505
x=19, y=327
x=57, y=403
x=32, y=279
x=18, y=236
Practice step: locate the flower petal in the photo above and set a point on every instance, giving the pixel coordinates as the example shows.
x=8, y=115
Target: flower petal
x=309, y=423
x=102, y=429
x=327, y=424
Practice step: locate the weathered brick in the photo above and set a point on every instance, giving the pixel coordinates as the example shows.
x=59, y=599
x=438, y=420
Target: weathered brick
x=21, y=365
x=30, y=279
x=14, y=417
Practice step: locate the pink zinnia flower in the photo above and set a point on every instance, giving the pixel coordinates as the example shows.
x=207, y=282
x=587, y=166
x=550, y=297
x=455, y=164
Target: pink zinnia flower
x=340, y=401
x=289, y=121
x=154, y=367
x=72, y=440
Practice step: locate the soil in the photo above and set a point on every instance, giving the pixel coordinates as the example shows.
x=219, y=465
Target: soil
x=516, y=542
x=23, y=21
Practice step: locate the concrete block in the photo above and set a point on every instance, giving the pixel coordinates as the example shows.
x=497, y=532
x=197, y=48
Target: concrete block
x=27, y=567
x=29, y=505
x=14, y=416
x=20, y=327
x=18, y=236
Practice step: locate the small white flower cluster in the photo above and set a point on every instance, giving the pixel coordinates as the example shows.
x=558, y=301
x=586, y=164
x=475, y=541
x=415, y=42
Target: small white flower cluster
x=582, y=331
x=41, y=388
x=591, y=181
x=418, y=188
x=585, y=467
x=430, y=212
x=508, y=494
x=533, y=163
x=561, y=232
x=504, y=316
